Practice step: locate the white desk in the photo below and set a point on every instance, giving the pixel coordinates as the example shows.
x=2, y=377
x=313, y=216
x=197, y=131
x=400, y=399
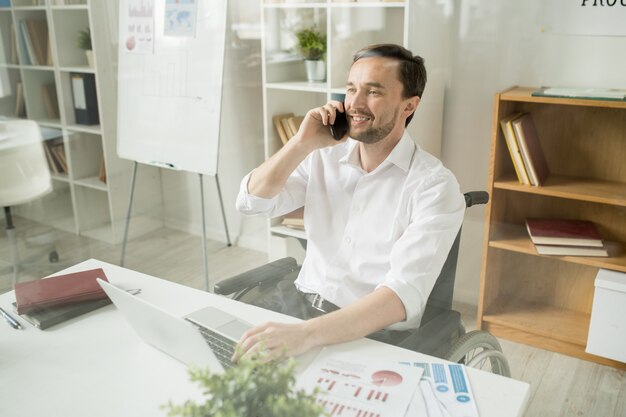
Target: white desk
x=95, y=365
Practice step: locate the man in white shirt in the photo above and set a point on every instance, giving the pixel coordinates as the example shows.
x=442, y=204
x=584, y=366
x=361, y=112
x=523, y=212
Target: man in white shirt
x=380, y=213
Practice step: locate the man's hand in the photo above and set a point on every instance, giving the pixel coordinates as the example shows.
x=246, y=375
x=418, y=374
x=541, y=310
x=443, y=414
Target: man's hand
x=271, y=176
x=314, y=130
x=274, y=340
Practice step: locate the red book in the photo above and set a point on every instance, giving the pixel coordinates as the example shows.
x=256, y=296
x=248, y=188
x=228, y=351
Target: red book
x=563, y=232
x=59, y=290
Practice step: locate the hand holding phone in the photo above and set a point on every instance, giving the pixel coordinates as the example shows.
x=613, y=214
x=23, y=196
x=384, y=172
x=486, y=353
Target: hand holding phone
x=340, y=127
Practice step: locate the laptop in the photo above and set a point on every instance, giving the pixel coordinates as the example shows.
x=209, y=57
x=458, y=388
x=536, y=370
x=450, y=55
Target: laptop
x=205, y=338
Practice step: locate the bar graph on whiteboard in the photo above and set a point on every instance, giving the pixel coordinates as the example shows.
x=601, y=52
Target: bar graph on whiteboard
x=360, y=388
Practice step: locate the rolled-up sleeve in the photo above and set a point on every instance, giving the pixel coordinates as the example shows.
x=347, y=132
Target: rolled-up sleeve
x=437, y=209
x=291, y=197
x=250, y=204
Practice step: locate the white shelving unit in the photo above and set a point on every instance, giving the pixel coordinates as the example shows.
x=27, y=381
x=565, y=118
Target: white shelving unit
x=349, y=26
x=80, y=202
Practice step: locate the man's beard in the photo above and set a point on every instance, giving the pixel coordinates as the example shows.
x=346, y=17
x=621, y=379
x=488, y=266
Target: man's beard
x=375, y=134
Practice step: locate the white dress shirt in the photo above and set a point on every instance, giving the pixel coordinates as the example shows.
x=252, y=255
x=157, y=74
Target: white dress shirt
x=391, y=227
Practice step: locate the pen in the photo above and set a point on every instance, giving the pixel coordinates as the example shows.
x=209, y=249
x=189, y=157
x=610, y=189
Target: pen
x=14, y=323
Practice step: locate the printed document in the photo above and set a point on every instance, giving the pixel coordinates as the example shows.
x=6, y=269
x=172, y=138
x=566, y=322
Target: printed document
x=357, y=386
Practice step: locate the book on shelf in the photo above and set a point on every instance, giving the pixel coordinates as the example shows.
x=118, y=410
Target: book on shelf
x=50, y=101
x=102, y=173
x=47, y=317
x=85, y=98
x=566, y=250
x=287, y=125
x=20, y=103
x=13, y=40
x=294, y=123
x=612, y=94
x=59, y=290
x=282, y=134
x=563, y=232
x=295, y=219
x=530, y=148
x=55, y=153
x=37, y=32
x=511, y=143
x=20, y=34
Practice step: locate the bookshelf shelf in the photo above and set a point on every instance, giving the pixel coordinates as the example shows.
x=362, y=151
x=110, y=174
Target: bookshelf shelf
x=288, y=232
x=93, y=183
x=540, y=300
x=347, y=26
x=515, y=238
x=584, y=189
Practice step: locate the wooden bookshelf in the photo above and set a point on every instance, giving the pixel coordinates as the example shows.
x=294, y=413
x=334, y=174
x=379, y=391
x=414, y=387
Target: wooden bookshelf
x=546, y=301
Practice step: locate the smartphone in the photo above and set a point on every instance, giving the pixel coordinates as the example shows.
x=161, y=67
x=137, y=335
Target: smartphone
x=340, y=127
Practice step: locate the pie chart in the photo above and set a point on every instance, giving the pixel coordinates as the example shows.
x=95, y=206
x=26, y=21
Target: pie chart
x=386, y=378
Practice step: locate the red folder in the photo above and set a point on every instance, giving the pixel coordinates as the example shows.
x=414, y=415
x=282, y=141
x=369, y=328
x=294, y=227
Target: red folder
x=59, y=290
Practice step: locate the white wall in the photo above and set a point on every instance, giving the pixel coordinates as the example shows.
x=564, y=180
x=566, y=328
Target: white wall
x=495, y=45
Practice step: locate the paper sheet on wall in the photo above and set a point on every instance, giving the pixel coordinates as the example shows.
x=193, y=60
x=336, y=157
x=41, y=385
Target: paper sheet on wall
x=180, y=18
x=360, y=386
x=139, y=27
x=445, y=391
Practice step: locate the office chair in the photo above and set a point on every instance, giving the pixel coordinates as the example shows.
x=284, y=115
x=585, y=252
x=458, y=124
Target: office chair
x=441, y=332
x=24, y=176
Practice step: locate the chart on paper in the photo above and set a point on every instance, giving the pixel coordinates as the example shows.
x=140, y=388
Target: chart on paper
x=363, y=388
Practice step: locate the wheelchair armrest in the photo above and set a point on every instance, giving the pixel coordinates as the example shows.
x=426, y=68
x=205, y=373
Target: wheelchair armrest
x=272, y=271
x=476, y=197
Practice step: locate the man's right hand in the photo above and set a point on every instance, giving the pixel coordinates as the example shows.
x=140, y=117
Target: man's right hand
x=271, y=176
x=314, y=130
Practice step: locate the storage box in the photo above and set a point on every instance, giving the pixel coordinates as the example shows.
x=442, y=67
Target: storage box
x=607, y=332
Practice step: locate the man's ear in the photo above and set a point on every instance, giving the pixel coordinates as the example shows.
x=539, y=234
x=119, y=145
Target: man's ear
x=411, y=105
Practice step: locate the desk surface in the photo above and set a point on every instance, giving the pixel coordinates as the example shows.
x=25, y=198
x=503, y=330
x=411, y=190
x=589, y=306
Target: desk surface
x=95, y=365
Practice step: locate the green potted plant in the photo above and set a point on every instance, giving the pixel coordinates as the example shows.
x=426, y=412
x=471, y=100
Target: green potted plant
x=312, y=47
x=83, y=41
x=249, y=389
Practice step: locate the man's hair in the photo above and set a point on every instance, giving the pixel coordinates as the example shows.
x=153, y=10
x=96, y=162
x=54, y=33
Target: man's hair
x=411, y=69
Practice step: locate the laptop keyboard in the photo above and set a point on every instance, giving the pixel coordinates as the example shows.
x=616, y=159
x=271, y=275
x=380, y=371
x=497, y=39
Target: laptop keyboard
x=222, y=347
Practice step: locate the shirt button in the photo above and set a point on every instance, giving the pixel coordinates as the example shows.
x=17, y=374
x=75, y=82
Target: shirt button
x=348, y=240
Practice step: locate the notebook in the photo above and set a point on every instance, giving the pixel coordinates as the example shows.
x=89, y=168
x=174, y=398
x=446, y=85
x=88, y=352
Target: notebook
x=204, y=338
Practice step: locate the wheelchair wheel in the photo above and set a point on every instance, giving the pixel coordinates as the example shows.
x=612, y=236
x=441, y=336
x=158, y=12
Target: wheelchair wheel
x=478, y=349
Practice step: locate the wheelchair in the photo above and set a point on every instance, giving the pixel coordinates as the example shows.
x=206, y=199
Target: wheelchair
x=441, y=332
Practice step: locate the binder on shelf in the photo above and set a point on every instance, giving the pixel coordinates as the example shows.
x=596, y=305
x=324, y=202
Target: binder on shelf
x=85, y=98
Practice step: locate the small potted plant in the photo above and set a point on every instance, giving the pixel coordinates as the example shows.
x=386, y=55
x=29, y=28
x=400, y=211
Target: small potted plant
x=84, y=42
x=250, y=389
x=312, y=47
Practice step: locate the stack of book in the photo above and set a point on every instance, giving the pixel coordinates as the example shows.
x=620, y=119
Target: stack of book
x=47, y=302
x=566, y=237
x=287, y=125
x=55, y=154
x=295, y=219
x=524, y=146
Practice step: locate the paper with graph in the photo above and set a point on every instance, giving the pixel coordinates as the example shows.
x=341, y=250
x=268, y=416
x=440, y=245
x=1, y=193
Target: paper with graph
x=358, y=386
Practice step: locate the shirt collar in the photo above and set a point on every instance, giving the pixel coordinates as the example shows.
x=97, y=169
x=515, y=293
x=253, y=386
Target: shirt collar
x=400, y=156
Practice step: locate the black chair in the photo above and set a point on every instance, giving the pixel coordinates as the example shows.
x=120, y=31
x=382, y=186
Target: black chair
x=441, y=332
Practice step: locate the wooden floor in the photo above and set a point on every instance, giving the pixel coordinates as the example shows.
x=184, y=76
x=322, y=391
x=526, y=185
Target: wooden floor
x=560, y=385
